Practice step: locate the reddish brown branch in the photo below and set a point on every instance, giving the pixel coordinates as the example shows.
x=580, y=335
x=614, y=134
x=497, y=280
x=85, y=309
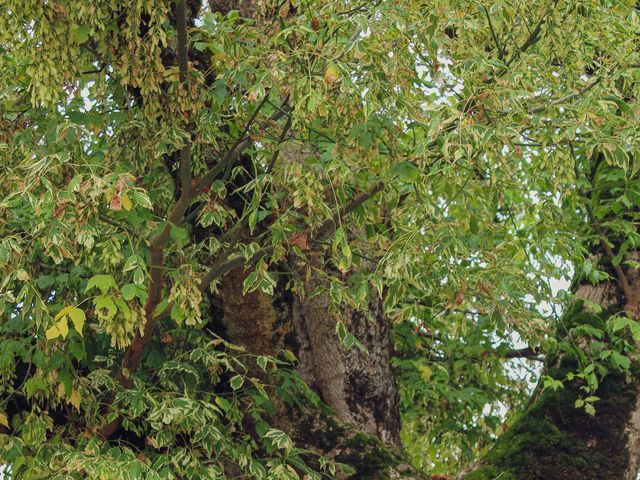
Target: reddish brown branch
x=622, y=278
x=133, y=354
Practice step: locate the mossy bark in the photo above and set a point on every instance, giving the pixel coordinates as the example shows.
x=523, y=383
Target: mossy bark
x=554, y=440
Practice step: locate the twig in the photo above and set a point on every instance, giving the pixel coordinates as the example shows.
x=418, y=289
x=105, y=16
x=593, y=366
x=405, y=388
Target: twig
x=493, y=34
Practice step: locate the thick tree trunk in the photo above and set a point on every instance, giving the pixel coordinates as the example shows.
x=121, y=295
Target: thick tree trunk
x=555, y=440
x=359, y=386
x=363, y=427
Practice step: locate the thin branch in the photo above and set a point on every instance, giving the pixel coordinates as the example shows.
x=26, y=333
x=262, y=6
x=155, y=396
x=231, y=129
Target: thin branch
x=183, y=65
x=243, y=142
x=231, y=156
x=223, y=266
x=527, y=352
x=329, y=225
x=276, y=153
x=622, y=278
x=252, y=119
x=533, y=37
x=133, y=354
x=495, y=37
x=311, y=129
x=567, y=98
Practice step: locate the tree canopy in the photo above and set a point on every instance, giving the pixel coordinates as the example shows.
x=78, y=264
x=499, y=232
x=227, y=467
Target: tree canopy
x=438, y=163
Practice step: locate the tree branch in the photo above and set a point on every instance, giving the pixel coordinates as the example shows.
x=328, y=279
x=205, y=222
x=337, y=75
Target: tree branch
x=158, y=243
x=223, y=266
x=276, y=153
x=183, y=65
x=533, y=37
x=622, y=278
x=526, y=352
x=244, y=140
x=495, y=37
x=567, y=98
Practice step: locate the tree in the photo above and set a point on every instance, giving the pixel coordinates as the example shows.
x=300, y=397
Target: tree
x=244, y=239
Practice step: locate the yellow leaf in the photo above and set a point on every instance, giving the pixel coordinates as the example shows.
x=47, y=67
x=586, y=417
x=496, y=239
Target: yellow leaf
x=331, y=74
x=63, y=327
x=4, y=421
x=63, y=312
x=74, y=399
x=78, y=318
x=22, y=275
x=52, y=332
x=127, y=204
x=61, y=390
x=425, y=371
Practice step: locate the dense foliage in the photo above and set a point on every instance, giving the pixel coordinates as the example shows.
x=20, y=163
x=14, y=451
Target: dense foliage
x=436, y=153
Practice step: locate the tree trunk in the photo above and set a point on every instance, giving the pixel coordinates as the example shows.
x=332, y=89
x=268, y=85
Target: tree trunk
x=359, y=386
x=362, y=428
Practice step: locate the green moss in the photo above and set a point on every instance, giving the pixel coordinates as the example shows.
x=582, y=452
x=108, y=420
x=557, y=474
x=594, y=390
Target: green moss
x=553, y=439
x=371, y=458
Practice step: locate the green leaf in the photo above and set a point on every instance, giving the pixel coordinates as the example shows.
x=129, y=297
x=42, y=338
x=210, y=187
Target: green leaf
x=407, y=172
x=106, y=305
x=279, y=438
x=138, y=276
x=101, y=282
x=81, y=34
x=177, y=314
x=129, y=291
x=164, y=303
x=223, y=403
x=250, y=283
x=289, y=356
x=619, y=322
x=78, y=318
x=262, y=362
x=341, y=330
x=236, y=381
x=620, y=361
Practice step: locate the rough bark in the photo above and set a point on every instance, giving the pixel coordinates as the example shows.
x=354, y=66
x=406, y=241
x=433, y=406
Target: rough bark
x=361, y=427
x=359, y=386
x=250, y=319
